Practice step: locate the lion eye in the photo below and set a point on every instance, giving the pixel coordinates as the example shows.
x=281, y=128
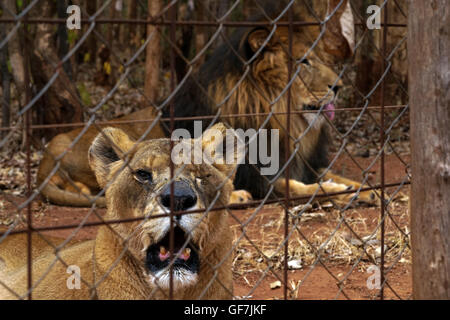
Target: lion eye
x=306, y=61
x=143, y=176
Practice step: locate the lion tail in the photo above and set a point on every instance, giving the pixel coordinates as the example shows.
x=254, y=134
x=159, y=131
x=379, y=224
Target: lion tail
x=67, y=198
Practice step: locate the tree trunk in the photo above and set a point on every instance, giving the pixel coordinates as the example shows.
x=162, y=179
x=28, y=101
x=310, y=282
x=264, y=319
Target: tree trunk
x=16, y=58
x=429, y=83
x=222, y=8
x=60, y=103
x=17, y=62
x=142, y=13
x=6, y=83
x=133, y=37
x=63, y=41
x=91, y=8
x=184, y=40
x=153, y=54
x=200, y=35
x=249, y=9
x=365, y=77
x=110, y=26
x=119, y=28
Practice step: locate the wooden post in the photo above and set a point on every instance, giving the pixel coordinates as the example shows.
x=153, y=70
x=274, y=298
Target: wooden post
x=200, y=32
x=59, y=104
x=429, y=96
x=91, y=8
x=132, y=28
x=153, y=54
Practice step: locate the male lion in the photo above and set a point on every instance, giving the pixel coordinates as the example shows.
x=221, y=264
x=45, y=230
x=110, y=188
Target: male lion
x=248, y=74
x=131, y=260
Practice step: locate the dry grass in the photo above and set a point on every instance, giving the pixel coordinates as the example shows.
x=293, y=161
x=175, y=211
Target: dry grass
x=351, y=237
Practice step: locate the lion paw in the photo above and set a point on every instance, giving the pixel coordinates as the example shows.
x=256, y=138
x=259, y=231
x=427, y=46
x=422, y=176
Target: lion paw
x=369, y=197
x=365, y=197
x=240, y=196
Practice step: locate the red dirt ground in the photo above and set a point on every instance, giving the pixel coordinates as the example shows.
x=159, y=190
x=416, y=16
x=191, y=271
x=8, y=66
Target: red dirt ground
x=318, y=281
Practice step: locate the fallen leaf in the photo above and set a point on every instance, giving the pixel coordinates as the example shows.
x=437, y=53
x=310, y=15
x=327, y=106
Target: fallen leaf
x=295, y=264
x=275, y=285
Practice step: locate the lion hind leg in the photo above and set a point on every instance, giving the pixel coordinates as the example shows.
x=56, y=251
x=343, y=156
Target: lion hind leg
x=77, y=187
x=70, y=186
x=369, y=196
x=76, y=194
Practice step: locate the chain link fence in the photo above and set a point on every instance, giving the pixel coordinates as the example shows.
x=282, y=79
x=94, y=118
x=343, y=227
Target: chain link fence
x=332, y=221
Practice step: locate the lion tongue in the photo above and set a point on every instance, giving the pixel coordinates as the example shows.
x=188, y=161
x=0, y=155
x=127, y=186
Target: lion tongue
x=329, y=110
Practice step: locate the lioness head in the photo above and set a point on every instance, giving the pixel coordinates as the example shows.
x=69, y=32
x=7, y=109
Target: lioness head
x=137, y=180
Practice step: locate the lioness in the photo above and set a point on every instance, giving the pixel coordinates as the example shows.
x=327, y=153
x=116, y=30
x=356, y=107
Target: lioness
x=248, y=74
x=131, y=260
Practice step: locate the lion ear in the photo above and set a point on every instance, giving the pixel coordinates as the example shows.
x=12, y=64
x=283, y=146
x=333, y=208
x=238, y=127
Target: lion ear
x=259, y=37
x=108, y=147
x=256, y=38
x=222, y=148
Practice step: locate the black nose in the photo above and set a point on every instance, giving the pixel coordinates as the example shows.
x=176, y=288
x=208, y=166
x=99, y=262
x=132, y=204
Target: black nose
x=183, y=196
x=335, y=88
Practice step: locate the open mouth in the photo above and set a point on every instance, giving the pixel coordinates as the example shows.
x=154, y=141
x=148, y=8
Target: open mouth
x=184, y=257
x=328, y=109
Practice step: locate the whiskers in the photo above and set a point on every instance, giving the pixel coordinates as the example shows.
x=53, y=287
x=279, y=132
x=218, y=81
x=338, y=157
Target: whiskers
x=182, y=278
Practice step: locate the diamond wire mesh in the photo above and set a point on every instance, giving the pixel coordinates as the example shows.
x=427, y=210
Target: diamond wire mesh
x=259, y=259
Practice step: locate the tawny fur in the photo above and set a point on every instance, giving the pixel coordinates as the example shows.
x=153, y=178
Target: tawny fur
x=113, y=265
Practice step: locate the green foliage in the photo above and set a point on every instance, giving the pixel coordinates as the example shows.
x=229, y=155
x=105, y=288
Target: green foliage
x=72, y=36
x=8, y=65
x=19, y=4
x=84, y=94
